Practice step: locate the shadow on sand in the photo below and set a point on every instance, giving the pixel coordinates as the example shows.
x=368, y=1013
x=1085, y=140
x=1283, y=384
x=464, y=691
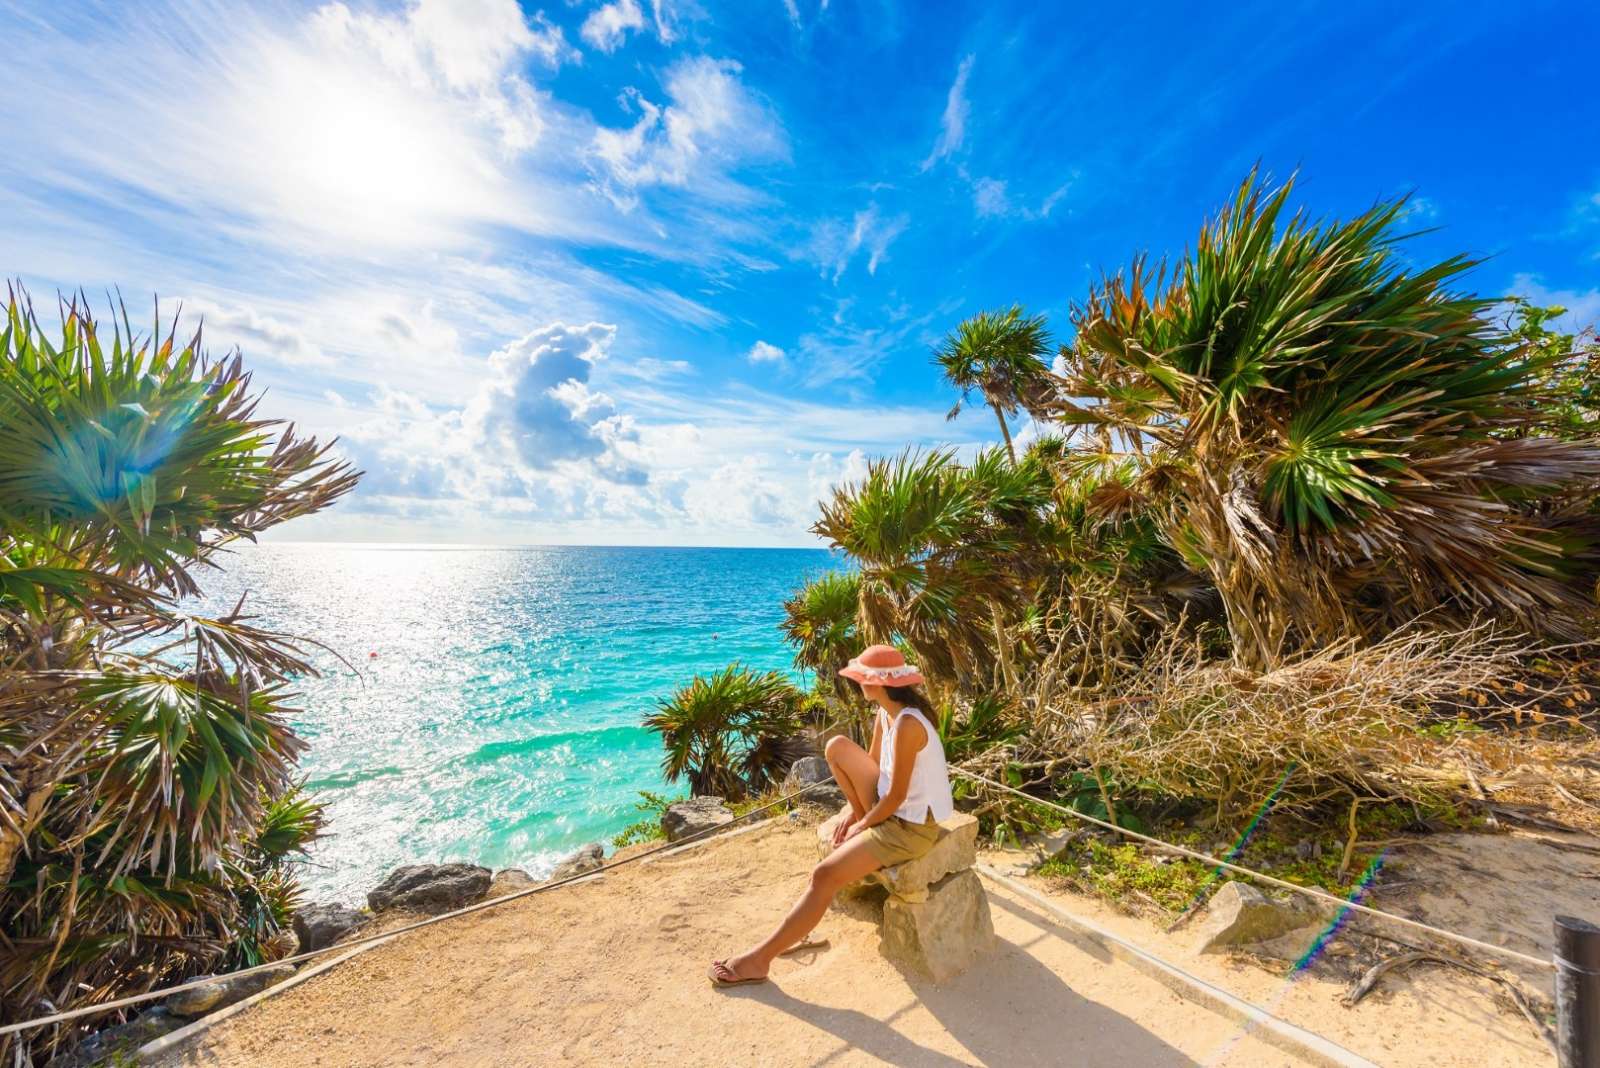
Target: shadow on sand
x=1043, y=1021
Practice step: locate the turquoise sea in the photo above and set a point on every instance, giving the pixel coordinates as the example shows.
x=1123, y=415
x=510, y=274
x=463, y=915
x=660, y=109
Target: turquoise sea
x=490, y=710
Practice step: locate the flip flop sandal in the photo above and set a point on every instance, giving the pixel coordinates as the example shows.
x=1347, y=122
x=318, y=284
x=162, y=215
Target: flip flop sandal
x=805, y=944
x=718, y=981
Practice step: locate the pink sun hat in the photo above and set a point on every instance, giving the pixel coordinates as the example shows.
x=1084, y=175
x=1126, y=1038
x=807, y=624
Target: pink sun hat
x=881, y=665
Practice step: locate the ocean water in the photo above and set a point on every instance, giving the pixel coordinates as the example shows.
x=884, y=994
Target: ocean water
x=490, y=710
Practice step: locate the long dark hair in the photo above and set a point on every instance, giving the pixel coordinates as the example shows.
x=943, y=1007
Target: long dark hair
x=909, y=695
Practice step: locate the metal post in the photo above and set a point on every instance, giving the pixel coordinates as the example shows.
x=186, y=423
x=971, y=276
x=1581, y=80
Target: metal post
x=1577, y=993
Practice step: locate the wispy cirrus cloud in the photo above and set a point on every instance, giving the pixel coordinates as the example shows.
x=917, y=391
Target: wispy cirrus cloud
x=340, y=132
x=836, y=243
x=953, y=123
x=710, y=125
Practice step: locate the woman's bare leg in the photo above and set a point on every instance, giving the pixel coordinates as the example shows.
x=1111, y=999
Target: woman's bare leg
x=844, y=866
x=854, y=772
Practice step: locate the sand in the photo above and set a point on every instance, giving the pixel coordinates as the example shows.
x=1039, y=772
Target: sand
x=611, y=972
x=1503, y=889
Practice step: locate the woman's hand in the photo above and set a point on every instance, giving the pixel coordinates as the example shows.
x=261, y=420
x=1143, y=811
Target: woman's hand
x=855, y=828
x=841, y=831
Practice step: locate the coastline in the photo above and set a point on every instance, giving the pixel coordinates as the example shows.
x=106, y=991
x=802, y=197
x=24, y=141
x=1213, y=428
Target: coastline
x=488, y=706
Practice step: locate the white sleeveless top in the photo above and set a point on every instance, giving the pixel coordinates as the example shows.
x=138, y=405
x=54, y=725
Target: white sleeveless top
x=929, y=790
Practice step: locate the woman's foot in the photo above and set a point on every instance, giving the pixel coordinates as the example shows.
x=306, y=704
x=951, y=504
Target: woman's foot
x=734, y=970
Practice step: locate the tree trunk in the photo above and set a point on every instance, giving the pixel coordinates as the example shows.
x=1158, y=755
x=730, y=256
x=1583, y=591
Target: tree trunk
x=1005, y=430
x=11, y=842
x=1002, y=649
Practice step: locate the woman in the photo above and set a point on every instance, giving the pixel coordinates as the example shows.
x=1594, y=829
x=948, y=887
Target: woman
x=898, y=790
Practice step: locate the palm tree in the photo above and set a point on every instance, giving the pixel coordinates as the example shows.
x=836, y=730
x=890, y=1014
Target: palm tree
x=944, y=552
x=1340, y=442
x=146, y=760
x=732, y=733
x=820, y=622
x=1000, y=354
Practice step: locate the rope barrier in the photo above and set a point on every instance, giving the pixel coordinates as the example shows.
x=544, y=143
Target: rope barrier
x=1262, y=877
x=156, y=995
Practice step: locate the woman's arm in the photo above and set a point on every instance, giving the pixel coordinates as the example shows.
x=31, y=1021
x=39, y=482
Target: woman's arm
x=909, y=738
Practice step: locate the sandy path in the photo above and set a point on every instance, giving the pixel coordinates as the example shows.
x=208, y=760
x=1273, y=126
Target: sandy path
x=1501, y=888
x=611, y=972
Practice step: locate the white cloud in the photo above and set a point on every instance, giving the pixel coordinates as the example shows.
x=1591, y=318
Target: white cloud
x=259, y=337
x=651, y=369
x=953, y=123
x=472, y=43
x=763, y=352
x=992, y=198
x=664, y=14
x=1422, y=209
x=533, y=429
x=793, y=11
x=834, y=244
x=608, y=25
x=710, y=125
x=345, y=131
x=989, y=197
x=1583, y=308
x=537, y=453
x=1054, y=198
x=537, y=403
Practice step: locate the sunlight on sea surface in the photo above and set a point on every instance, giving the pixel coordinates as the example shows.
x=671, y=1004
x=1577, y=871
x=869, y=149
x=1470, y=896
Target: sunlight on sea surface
x=493, y=711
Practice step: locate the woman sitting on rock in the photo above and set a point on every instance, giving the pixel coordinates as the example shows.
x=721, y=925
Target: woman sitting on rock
x=899, y=790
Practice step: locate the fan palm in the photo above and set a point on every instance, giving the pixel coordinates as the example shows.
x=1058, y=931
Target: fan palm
x=1330, y=435
x=944, y=553
x=820, y=622
x=731, y=733
x=1001, y=355
x=143, y=751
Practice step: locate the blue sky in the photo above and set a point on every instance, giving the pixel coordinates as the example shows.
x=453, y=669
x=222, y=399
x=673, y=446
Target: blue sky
x=660, y=271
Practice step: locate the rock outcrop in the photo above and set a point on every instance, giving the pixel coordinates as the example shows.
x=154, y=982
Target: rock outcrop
x=322, y=925
x=1239, y=916
x=430, y=888
x=509, y=881
x=588, y=858
x=685, y=818
x=116, y=1045
x=813, y=775
x=225, y=990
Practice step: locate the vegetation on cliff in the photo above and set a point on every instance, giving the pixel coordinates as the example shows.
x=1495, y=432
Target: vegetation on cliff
x=1295, y=520
x=148, y=800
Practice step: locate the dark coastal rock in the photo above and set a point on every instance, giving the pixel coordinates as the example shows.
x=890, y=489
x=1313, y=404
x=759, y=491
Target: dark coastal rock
x=697, y=814
x=322, y=925
x=588, y=858
x=509, y=881
x=813, y=775
x=431, y=887
x=225, y=990
x=105, y=1046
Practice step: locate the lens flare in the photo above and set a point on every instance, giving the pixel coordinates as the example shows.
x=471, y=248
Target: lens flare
x=1363, y=884
x=1311, y=955
x=1202, y=891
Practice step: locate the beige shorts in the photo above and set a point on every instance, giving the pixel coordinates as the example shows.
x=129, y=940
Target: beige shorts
x=895, y=841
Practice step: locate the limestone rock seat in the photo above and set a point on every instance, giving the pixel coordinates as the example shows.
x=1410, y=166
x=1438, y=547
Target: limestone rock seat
x=956, y=850
x=936, y=917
